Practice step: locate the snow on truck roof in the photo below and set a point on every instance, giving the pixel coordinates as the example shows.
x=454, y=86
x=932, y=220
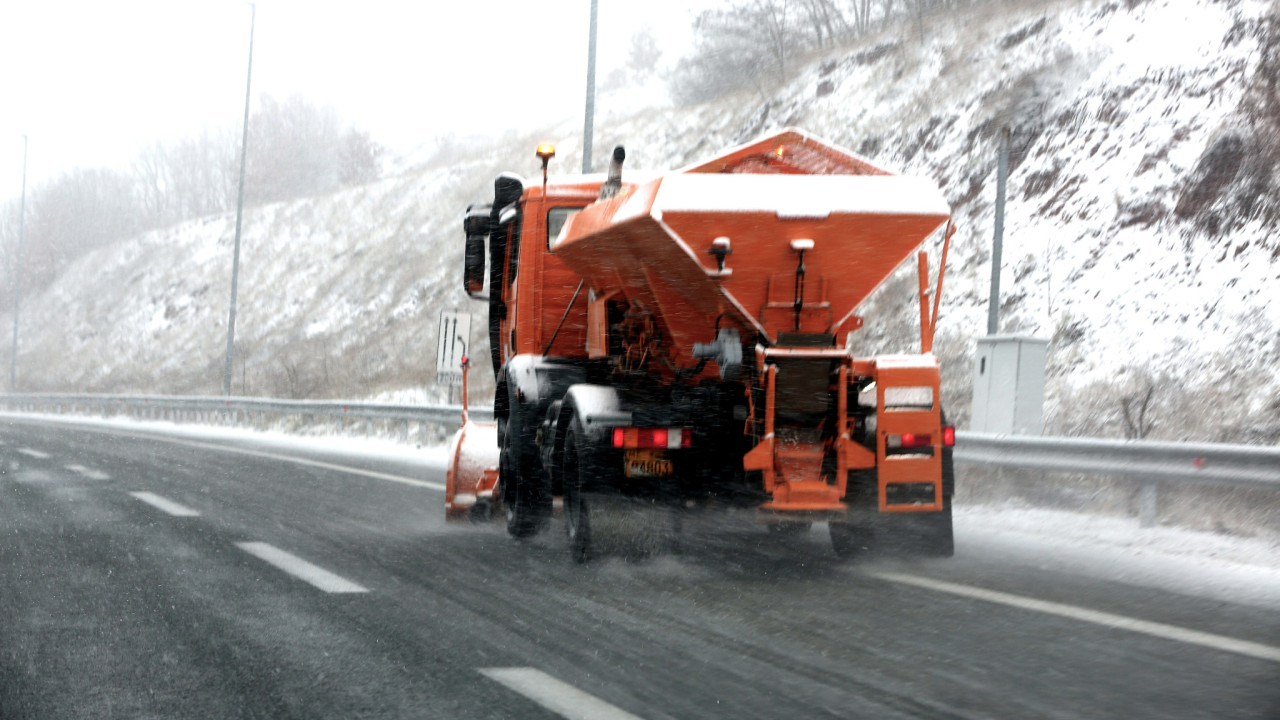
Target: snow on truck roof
x=790, y=151
x=801, y=196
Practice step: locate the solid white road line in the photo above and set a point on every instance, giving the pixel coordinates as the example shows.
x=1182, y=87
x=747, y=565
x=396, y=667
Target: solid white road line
x=327, y=466
x=302, y=461
x=300, y=568
x=272, y=456
x=560, y=698
x=165, y=504
x=34, y=453
x=87, y=472
x=1121, y=622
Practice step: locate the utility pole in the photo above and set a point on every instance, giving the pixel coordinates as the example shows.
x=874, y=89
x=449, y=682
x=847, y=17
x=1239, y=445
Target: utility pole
x=1002, y=178
x=17, y=274
x=235, y=258
x=589, y=124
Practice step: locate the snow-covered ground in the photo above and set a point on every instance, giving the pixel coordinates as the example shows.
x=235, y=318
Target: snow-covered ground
x=1223, y=567
x=1112, y=107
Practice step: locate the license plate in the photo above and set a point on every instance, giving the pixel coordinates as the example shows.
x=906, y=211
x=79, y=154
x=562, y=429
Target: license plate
x=647, y=463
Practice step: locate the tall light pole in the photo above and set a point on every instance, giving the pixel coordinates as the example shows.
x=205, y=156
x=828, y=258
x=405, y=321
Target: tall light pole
x=997, y=243
x=235, y=258
x=17, y=273
x=589, y=123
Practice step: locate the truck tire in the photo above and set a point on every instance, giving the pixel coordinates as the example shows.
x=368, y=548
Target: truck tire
x=916, y=535
x=930, y=534
x=602, y=522
x=577, y=519
x=520, y=523
x=851, y=540
x=788, y=529
x=527, y=505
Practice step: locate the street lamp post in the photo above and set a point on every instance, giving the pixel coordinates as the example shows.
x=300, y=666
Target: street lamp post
x=589, y=122
x=17, y=273
x=235, y=258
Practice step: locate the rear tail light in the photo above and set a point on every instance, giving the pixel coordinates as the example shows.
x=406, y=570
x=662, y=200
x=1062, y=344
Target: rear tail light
x=652, y=438
x=909, y=440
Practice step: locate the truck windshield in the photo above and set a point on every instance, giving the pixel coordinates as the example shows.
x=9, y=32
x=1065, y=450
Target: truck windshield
x=555, y=223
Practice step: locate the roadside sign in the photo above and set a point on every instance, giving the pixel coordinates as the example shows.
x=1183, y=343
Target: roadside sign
x=452, y=345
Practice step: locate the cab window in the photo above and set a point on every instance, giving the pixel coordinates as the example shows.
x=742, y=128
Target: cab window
x=556, y=218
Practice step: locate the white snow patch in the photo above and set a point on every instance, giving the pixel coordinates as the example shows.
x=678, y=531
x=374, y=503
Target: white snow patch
x=1222, y=567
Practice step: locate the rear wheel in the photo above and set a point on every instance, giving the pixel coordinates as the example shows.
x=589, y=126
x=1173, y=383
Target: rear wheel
x=789, y=528
x=924, y=534
x=525, y=499
x=520, y=522
x=851, y=540
x=577, y=521
x=599, y=520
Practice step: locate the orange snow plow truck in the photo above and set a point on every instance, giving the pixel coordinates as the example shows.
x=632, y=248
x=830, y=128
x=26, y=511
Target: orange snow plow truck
x=687, y=341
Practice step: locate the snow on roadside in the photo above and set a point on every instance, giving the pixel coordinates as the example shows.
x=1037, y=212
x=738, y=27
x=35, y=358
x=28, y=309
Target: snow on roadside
x=1230, y=568
x=433, y=457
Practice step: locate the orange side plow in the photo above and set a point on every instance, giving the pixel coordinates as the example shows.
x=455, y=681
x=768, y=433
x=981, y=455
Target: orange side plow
x=472, y=475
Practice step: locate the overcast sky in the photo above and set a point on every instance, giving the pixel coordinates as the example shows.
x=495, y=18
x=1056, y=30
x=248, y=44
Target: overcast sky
x=91, y=82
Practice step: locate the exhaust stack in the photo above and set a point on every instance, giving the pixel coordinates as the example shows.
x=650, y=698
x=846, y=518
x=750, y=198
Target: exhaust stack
x=613, y=185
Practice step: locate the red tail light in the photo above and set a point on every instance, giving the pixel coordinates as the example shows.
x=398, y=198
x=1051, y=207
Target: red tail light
x=916, y=440
x=652, y=438
x=949, y=436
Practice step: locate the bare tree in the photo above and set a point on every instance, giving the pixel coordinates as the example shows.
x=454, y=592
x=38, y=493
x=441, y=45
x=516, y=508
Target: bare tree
x=292, y=150
x=190, y=178
x=755, y=42
x=645, y=54
x=824, y=21
x=359, y=158
x=78, y=212
x=295, y=149
x=741, y=45
x=1134, y=409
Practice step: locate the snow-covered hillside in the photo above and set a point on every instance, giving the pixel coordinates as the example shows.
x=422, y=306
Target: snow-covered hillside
x=1123, y=241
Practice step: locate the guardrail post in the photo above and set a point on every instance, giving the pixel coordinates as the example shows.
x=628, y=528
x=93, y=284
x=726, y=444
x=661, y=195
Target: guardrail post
x=404, y=431
x=1147, y=503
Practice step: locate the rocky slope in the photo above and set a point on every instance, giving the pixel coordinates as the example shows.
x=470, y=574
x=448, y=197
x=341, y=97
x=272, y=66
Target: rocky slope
x=1141, y=233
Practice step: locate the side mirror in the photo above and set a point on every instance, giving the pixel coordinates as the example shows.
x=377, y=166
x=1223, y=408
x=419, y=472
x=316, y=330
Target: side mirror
x=508, y=214
x=476, y=225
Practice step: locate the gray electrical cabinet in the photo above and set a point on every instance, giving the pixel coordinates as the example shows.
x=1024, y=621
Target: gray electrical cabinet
x=1008, y=385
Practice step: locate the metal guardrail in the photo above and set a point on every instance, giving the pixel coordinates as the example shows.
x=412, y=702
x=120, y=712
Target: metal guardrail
x=1147, y=462
x=166, y=406
x=1207, y=463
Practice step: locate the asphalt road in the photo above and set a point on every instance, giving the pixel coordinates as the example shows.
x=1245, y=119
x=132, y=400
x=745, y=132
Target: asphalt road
x=164, y=577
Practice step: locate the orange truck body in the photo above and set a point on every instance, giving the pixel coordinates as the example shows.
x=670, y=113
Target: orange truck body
x=717, y=306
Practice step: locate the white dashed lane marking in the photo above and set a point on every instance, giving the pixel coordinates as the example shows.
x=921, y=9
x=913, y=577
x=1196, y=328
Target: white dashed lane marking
x=87, y=472
x=165, y=505
x=559, y=697
x=300, y=568
x=1121, y=622
x=34, y=453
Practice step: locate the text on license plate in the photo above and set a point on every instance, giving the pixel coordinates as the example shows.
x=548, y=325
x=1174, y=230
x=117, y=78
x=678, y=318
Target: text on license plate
x=647, y=463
